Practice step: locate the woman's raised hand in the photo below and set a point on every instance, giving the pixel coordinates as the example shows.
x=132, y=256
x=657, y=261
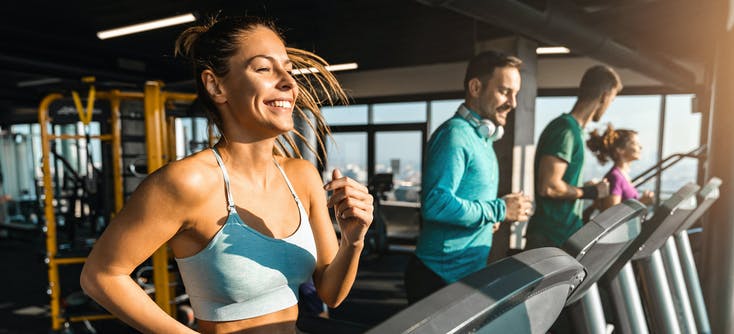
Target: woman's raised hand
x=648, y=197
x=352, y=205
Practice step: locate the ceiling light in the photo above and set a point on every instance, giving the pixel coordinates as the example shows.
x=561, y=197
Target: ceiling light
x=136, y=28
x=552, y=50
x=39, y=82
x=330, y=68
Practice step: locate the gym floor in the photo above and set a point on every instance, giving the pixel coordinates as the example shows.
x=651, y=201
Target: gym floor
x=377, y=294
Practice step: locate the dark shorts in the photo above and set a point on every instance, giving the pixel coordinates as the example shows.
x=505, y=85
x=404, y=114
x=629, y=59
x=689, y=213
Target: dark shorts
x=420, y=281
x=308, y=300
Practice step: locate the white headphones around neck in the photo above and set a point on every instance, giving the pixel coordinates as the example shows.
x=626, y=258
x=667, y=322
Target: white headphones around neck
x=485, y=127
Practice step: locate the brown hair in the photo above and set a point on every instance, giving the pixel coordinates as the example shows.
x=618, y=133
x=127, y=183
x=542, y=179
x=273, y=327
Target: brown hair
x=604, y=146
x=211, y=45
x=598, y=80
x=482, y=65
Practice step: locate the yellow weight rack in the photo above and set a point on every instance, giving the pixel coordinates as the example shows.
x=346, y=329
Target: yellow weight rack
x=161, y=149
x=160, y=146
x=52, y=259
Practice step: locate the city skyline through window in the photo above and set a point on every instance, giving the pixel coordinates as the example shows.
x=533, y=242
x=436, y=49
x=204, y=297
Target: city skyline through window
x=641, y=113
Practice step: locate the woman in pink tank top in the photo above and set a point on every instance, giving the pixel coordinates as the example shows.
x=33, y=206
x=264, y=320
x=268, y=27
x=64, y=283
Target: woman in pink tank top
x=622, y=147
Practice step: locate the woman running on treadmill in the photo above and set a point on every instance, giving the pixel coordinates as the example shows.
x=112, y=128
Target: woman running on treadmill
x=622, y=147
x=246, y=222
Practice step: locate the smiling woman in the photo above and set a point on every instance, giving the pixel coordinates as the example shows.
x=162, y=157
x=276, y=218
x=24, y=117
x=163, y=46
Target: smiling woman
x=622, y=147
x=247, y=220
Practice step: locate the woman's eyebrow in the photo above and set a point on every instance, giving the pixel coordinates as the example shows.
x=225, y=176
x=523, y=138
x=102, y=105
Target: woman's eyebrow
x=269, y=58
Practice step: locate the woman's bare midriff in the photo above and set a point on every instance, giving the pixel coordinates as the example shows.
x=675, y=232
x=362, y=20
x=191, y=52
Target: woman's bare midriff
x=281, y=322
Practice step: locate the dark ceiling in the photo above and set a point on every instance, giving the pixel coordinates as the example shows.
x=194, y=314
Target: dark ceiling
x=57, y=39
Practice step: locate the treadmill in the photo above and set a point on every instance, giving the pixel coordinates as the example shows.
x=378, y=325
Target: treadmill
x=707, y=196
x=664, y=317
x=597, y=245
x=523, y=293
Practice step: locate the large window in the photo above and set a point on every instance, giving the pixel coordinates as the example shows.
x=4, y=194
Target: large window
x=389, y=137
x=405, y=165
x=642, y=113
x=682, y=134
x=402, y=112
x=379, y=138
x=347, y=149
x=348, y=152
x=20, y=161
x=393, y=134
x=192, y=135
x=345, y=115
x=441, y=111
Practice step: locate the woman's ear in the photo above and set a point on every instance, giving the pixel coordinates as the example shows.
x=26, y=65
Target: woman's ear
x=213, y=86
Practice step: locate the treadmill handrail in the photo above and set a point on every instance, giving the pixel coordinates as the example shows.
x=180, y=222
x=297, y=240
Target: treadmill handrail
x=711, y=188
x=586, y=239
x=608, y=219
x=642, y=178
x=708, y=195
x=640, y=244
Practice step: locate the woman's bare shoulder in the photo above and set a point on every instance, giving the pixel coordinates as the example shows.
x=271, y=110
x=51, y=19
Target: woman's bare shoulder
x=190, y=178
x=298, y=167
x=302, y=173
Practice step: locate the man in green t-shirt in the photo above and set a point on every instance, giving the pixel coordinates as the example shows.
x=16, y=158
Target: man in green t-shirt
x=559, y=159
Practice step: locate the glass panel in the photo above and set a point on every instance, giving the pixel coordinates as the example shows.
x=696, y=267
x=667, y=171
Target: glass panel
x=548, y=108
x=68, y=148
x=403, y=160
x=191, y=135
x=20, y=129
x=183, y=133
x=16, y=165
x=345, y=115
x=95, y=145
x=183, y=136
x=682, y=134
x=81, y=149
x=637, y=112
x=37, y=153
x=21, y=166
x=441, y=111
x=348, y=152
x=402, y=112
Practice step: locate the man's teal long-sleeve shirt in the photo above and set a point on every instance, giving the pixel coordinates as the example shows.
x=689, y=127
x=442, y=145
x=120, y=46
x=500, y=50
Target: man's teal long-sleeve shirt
x=459, y=200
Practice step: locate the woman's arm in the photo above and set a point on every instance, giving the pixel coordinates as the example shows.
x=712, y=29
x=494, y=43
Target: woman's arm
x=151, y=217
x=336, y=263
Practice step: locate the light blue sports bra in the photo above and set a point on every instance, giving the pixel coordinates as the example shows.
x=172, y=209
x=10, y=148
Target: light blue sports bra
x=242, y=273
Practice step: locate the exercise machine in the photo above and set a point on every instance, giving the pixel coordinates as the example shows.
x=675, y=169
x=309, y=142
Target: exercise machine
x=597, y=246
x=523, y=293
x=708, y=195
x=646, y=257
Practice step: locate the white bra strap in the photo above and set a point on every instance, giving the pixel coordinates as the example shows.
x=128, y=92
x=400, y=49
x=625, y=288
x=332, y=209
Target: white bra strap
x=288, y=182
x=230, y=201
